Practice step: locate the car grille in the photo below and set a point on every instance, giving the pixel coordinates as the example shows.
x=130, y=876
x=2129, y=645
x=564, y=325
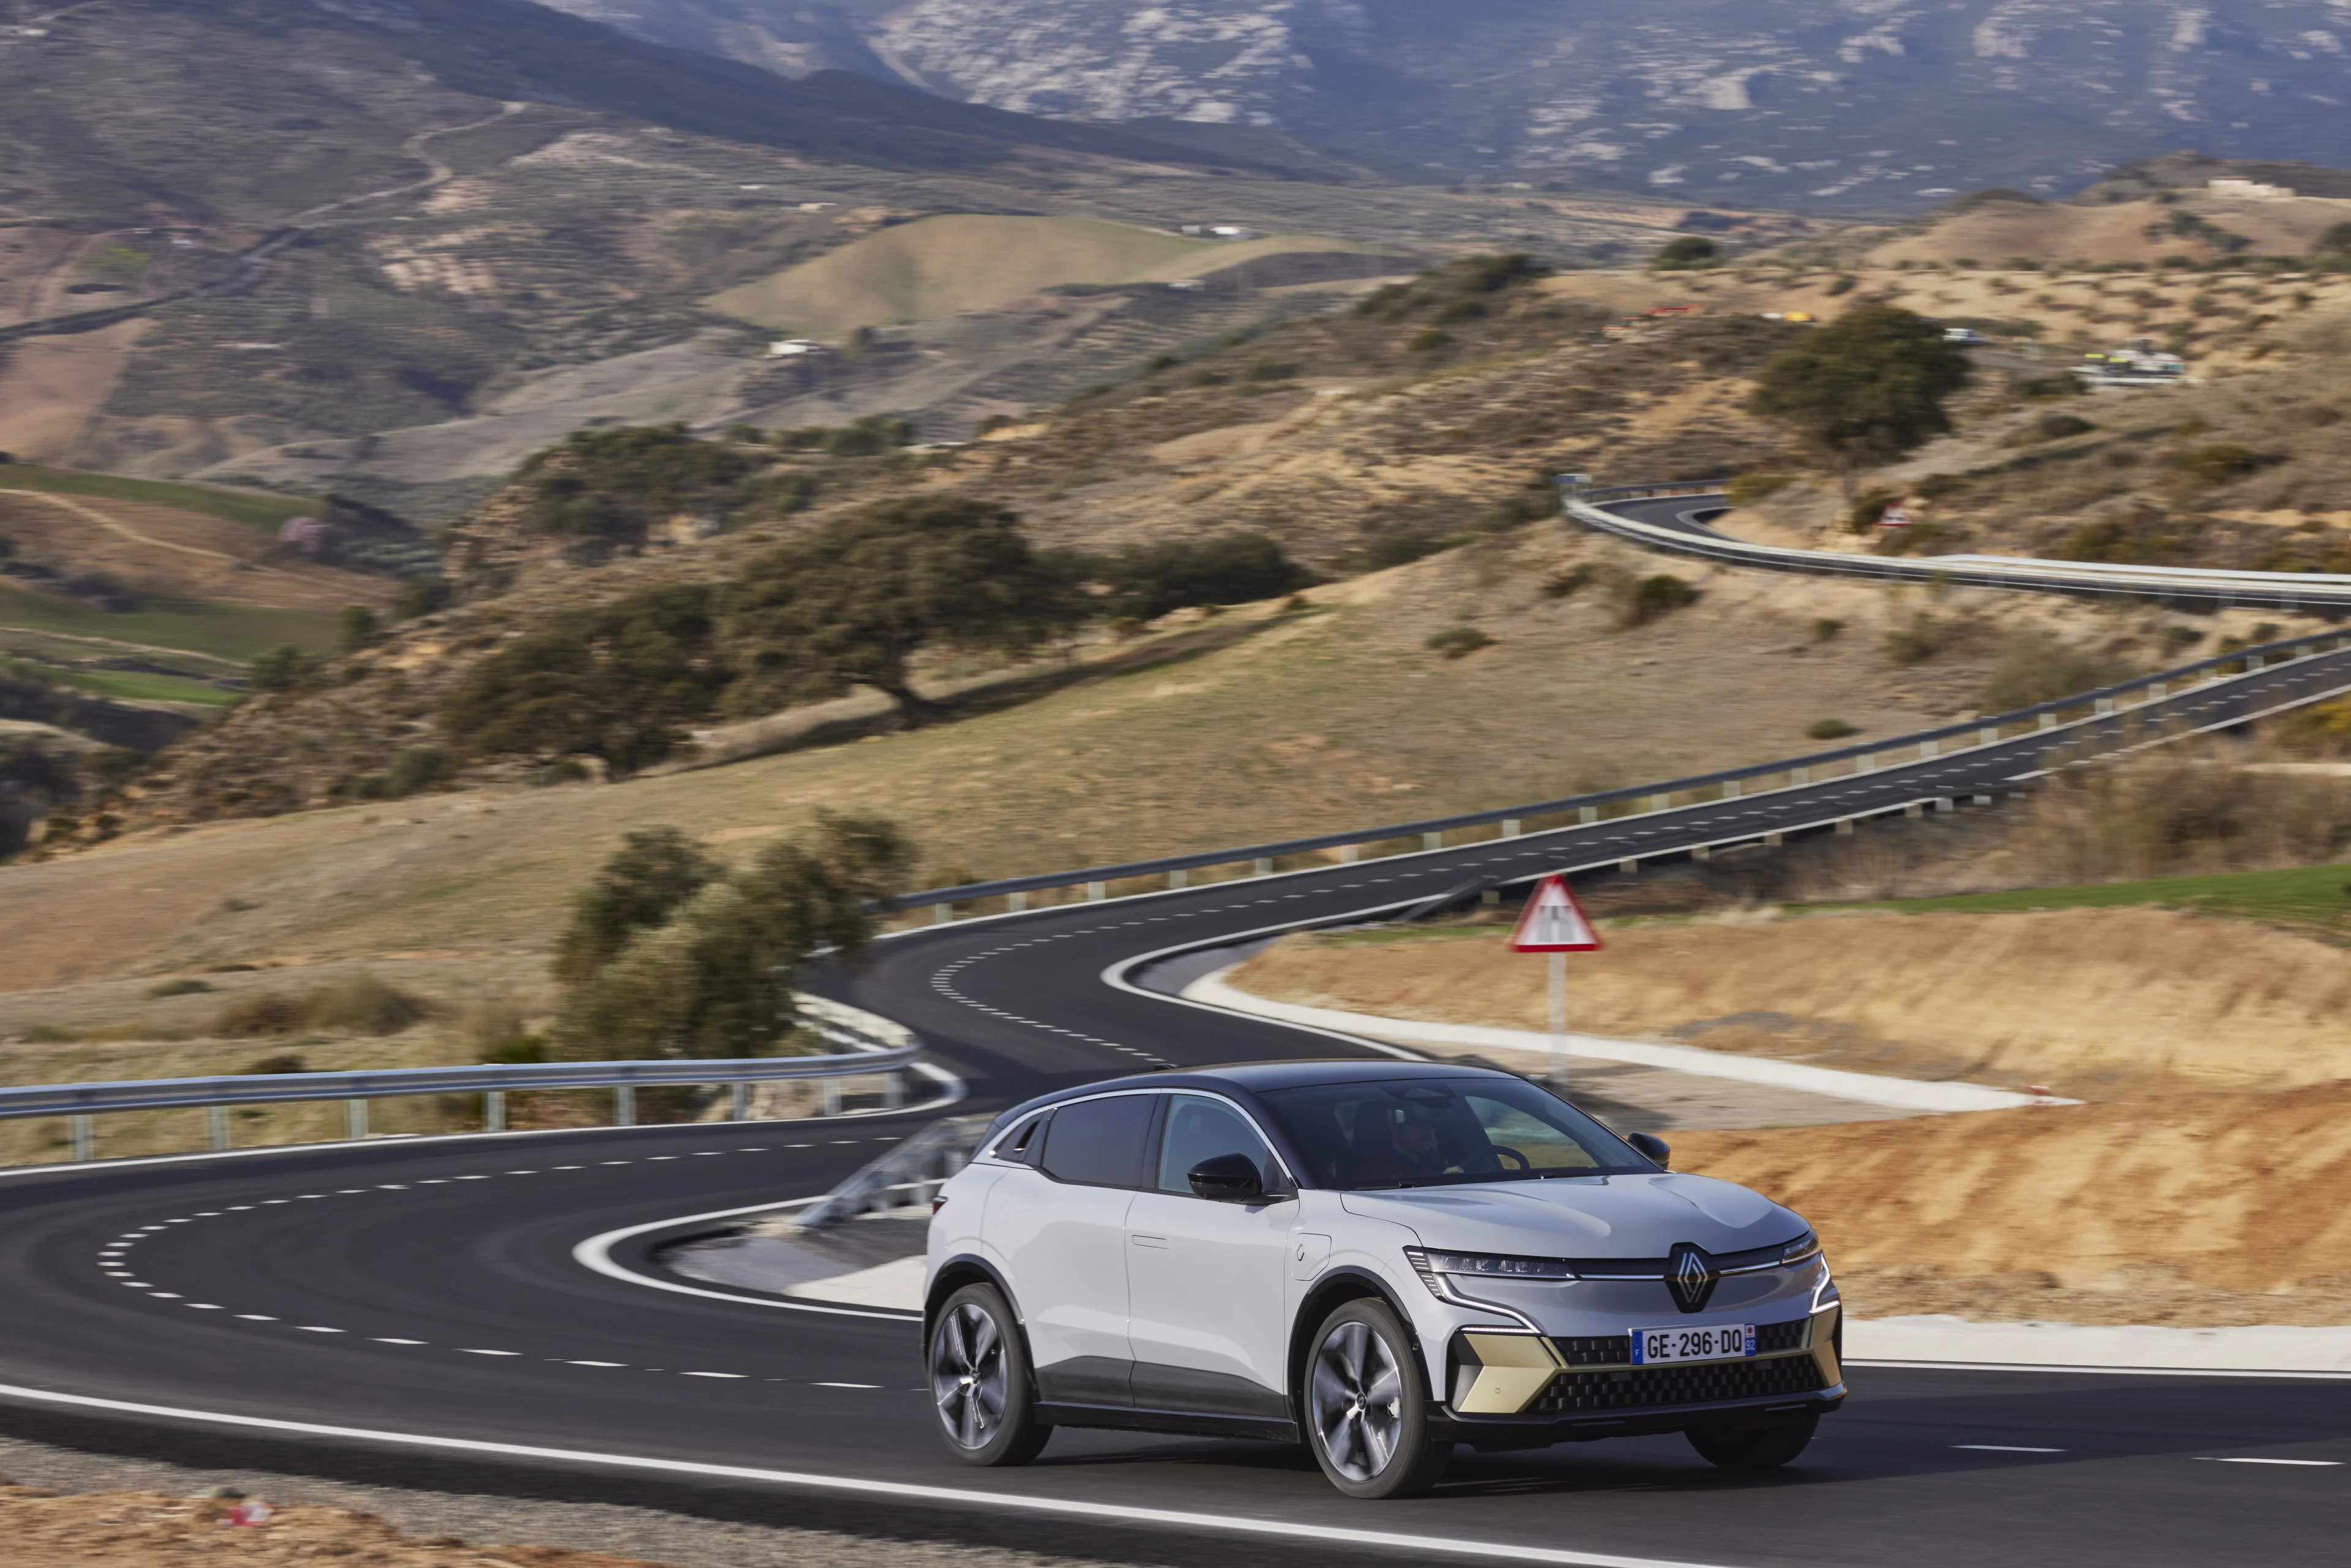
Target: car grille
x=1701, y=1383
x=1615, y=1349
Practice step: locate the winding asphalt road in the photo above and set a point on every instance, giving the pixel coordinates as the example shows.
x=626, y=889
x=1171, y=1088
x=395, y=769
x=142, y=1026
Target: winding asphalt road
x=405, y=1308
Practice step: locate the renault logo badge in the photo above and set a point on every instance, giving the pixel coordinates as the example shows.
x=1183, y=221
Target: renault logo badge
x=1690, y=1275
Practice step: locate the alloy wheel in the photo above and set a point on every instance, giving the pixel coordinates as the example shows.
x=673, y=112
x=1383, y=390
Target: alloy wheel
x=1357, y=1395
x=968, y=1376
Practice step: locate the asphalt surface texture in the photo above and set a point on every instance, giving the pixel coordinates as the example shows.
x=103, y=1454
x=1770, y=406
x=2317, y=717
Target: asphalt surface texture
x=422, y=1297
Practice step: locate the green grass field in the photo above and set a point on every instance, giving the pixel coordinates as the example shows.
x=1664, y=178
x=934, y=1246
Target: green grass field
x=228, y=631
x=130, y=685
x=2313, y=896
x=248, y=507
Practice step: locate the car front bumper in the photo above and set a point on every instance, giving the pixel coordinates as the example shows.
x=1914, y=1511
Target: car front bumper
x=1519, y=1390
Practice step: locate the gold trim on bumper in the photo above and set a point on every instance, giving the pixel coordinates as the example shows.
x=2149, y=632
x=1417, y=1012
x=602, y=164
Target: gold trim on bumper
x=1513, y=1369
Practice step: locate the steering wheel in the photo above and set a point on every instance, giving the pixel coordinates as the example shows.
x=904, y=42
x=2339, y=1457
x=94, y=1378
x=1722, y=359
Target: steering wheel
x=1503, y=1151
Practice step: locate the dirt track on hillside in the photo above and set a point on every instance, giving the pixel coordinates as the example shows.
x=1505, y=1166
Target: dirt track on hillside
x=2198, y=1209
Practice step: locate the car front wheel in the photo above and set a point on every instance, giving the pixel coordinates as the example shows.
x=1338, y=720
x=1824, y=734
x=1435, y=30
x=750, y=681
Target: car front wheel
x=1367, y=1413
x=979, y=1381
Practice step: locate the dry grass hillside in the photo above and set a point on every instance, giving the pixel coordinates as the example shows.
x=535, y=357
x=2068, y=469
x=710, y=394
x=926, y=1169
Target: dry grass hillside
x=2094, y=1003
x=2195, y=1210
x=1342, y=715
x=938, y=266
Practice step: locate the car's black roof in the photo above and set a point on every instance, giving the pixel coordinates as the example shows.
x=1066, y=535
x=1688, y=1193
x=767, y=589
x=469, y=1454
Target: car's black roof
x=1255, y=1077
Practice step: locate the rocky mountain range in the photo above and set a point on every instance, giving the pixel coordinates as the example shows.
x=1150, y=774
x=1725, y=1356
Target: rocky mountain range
x=1851, y=105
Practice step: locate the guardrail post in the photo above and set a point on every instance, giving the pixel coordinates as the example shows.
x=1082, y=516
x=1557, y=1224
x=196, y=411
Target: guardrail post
x=1730, y=788
x=1701, y=851
x=2253, y=663
x=2048, y=721
x=1988, y=736
x=1179, y=879
x=1510, y=826
x=494, y=1111
x=1865, y=763
x=1845, y=825
x=2104, y=706
x=624, y=1105
x=1014, y=903
x=1630, y=865
x=893, y=1089
x=1583, y=814
x=942, y=914
x=1350, y=853
x=831, y=1097
x=1661, y=802
x=216, y=1128
x=1927, y=748
x=1945, y=804
x=1096, y=892
x=1432, y=840
x=1261, y=866
x=355, y=1119
x=739, y=1103
x=84, y=1137
x=1800, y=775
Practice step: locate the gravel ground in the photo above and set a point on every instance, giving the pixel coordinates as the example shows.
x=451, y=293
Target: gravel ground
x=442, y=1519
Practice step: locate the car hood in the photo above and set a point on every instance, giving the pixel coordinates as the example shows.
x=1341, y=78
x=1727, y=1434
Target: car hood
x=1596, y=1216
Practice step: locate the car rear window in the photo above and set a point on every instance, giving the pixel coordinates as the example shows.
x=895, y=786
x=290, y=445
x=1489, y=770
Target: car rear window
x=1099, y=1142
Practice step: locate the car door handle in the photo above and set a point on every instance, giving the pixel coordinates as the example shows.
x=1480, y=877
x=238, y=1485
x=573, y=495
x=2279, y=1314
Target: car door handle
x=1150, y=1240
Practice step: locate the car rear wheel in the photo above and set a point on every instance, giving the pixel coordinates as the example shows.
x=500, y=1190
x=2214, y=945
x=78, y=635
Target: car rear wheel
x=979, y=1381
x=1752, y=1448
x=1367, y=1413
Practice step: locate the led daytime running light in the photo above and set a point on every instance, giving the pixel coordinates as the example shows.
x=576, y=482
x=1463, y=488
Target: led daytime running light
x=1806, y=1246
x=1428, y=1264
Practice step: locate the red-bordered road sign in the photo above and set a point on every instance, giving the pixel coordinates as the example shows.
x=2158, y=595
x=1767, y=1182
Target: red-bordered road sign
x=1553, y=922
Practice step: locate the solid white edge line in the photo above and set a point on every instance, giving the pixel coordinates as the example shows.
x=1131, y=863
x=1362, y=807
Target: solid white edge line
x=2099, y=1371
x=596, y=1253
x=958, y=1496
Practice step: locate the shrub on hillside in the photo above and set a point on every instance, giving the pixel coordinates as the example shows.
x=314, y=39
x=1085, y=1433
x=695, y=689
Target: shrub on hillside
x=714, y=975
x=1147, y=582
x=1686, y=254
x=1917, y=640
x=280, y=669
x=1830, y=729
x=2186, y=808
x=357, y=1004
x=2321, y=729
x=1459, y=641
x=2036, y=668
x=620, y=681
x=615, y=485
x=2217, y=463
x=1383, y=551
x=1640, y=600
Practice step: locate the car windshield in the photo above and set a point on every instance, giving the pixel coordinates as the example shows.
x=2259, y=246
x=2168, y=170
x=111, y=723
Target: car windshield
x=1428, y=1132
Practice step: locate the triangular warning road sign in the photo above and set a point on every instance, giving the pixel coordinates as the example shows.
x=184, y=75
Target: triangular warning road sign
x=1553, y=922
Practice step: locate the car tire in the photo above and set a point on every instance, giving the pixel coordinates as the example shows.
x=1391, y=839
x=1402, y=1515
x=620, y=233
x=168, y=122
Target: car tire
x=1366, y=1408
x=978, y=1367
x=1752, y=1448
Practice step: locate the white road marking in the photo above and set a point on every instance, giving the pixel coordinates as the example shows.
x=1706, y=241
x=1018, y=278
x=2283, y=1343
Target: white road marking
x=489, y=1352
x=736, y=1374
x=2320, y=1464
x=313, y=1328
x=962, y=1497
x=2005, y=1448
x=389, y=1340
x=846, y=1385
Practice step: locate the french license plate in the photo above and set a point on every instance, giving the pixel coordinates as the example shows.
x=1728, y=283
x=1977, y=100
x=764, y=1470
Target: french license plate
x=1724, y=1341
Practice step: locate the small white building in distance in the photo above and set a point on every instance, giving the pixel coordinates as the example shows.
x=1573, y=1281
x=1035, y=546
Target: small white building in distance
x=1229, y=231
x=792, y=347
x=2249, y=190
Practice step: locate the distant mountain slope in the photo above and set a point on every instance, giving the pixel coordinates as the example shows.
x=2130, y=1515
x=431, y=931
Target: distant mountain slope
x=252, y=110
x=1848, y=104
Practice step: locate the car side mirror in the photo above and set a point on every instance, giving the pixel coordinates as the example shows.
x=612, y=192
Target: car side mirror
x=1655, y=1147
x=1228, y=1179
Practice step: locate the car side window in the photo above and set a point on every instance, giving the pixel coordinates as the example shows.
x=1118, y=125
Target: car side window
x=1100, y=1143
x=1199, y=1128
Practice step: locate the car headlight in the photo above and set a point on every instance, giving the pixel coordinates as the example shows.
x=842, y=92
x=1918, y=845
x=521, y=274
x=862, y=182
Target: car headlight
x=1429, y=1265
x=1802, y=1249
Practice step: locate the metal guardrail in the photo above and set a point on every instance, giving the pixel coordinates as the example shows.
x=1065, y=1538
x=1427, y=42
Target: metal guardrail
x=1430, y=831
x=877, y=1048
x=2293, y=592
x=908, y=1176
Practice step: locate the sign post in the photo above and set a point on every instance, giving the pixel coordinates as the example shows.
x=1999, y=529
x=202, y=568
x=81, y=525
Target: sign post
x=1553, y=922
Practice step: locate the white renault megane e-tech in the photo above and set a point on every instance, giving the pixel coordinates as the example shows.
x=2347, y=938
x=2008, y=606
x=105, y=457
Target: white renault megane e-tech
x=1384, y=1260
